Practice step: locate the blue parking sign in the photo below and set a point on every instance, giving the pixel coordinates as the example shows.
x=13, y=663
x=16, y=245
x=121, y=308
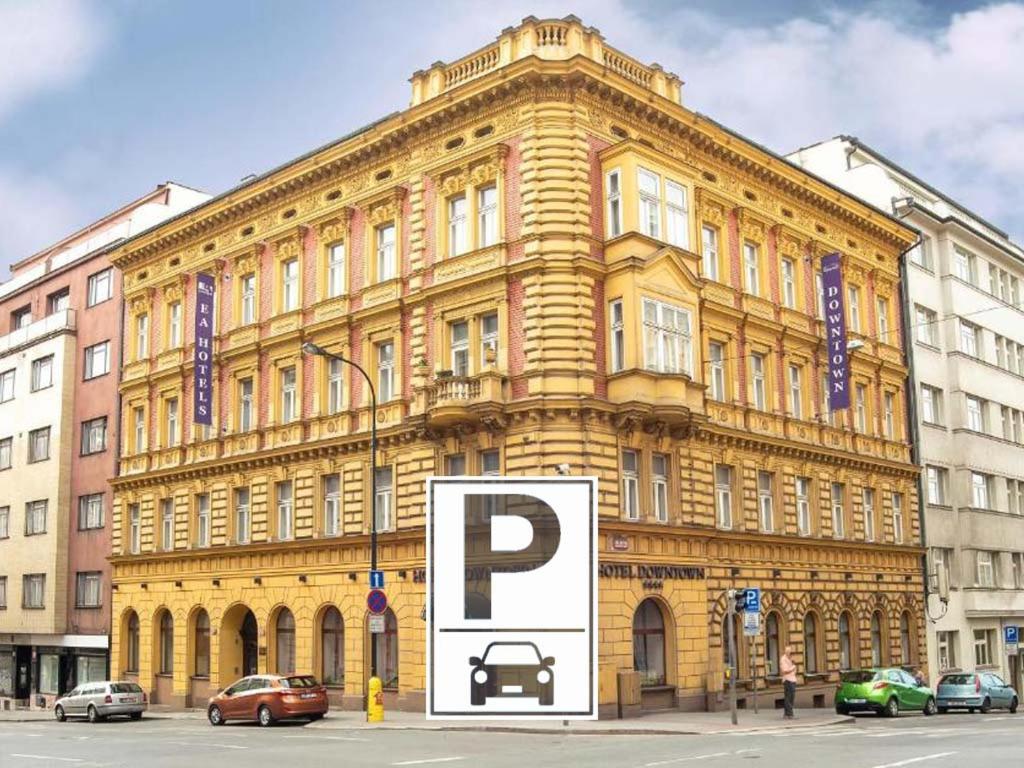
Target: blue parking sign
x=753, y=595
x=1011, y=635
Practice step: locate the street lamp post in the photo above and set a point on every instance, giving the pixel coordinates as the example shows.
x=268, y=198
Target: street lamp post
x=312, y=349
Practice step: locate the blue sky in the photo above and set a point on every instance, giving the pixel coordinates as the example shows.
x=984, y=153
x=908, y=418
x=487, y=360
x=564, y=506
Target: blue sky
x=99, y=102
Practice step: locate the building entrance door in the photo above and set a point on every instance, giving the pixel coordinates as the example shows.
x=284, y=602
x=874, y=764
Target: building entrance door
x=250, y=645
x=23, y=672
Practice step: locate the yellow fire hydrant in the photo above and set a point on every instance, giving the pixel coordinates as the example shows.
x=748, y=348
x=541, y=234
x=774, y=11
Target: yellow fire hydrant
x=375, y=701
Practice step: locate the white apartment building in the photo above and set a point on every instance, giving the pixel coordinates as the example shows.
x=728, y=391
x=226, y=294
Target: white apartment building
x=965, y=295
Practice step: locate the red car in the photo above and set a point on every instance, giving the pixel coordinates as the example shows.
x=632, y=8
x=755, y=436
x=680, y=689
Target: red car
x=266, y=698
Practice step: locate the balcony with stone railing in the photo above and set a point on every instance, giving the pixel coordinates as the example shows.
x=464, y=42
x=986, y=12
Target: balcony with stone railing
x=59, y=322
x=550, y=39
x=450, y=401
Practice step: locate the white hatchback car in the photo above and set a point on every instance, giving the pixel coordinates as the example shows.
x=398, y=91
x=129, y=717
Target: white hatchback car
x=98, y=701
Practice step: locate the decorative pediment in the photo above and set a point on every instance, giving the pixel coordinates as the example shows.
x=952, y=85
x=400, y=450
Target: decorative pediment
x=289, y=247
x=335, y=228
x=668, y=267
x=752, y=227
x=711, y=208
x=477, y=169
x=383, y=207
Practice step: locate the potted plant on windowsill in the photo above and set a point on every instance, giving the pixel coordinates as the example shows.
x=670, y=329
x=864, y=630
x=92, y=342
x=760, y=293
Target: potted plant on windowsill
x=445, y=374
x=422, y=366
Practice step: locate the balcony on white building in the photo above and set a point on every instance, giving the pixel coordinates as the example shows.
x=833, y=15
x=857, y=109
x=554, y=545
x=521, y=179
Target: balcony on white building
x=59, y=322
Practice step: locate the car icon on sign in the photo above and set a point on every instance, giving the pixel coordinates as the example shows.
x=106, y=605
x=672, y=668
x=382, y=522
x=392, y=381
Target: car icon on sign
x=512, y=670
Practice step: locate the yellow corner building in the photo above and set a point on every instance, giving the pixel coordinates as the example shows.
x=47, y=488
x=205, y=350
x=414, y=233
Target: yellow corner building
x=546, y=259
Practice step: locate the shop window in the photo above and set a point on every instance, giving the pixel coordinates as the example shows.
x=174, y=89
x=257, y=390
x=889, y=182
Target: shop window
x=166, y=643
x=811, y=638
x=649, y=643
x=284, y=632
x=773, y=643
x=387, y=652
x=332, y=648
x=845, y=642
x=878, y=654
x=202, y=644
x=906, y=647
x=132, y=643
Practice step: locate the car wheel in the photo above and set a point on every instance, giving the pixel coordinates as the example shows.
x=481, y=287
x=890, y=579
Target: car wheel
x=970, y=710
x=58, y=712
x=1013, y=706
x=929, y=707
x=943, y=710
x=136, y=715
x=317, y=716
x=215, y=716
x=265, y=716
x=841, y=710
x=94, y=716
x=986, y=706
x=892, y=708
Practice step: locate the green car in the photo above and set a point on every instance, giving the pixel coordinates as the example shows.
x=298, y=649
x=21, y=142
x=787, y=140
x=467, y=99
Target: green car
x=882, y=691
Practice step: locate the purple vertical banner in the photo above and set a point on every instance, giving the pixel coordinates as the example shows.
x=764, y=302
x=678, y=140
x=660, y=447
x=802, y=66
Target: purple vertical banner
x=835, y=333
x=202, y=385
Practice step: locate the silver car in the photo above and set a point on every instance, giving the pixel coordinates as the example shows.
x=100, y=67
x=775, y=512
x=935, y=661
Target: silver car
x=980, y=691
x=98, y=701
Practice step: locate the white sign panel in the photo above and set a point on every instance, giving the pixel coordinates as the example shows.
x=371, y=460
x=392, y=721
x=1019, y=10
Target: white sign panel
x=751, y=624
x=376, y=622
x=512, y=598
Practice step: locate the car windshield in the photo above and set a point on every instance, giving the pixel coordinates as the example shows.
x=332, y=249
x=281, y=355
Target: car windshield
x=125, y=688
x=300, y=681
x=512, y=653
x=859, y=676
x=957, y=680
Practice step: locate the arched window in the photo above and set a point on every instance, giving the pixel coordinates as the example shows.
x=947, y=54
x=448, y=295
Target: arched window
x=132, y=642
x=876, y=639
x=284, y=631
x=649, y=643
x=845, y=642
x=810, y=643
x=741, y=662
x=772, y=644
x=906, y=650
x=332, y=645
x=166, y=643
x=202, y=644
x=387, y=652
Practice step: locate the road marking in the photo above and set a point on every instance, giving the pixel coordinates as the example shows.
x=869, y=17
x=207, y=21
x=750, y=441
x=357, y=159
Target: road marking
x=429, y=760
x=910, y=760
x=1000, y=717
x=206, y=744
x=331, y=738
x=687, y=759
x=49, y=757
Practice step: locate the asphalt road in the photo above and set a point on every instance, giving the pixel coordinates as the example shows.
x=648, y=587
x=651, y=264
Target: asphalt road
x=949, y=741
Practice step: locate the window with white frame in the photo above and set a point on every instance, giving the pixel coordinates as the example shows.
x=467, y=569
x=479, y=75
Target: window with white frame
x=617, y=336
x=332, y=504
x=5, y=522
x=203, y=520
x=613, y=193
x=35, y=517
x=838, y=511
x=926, y=325
x=766, y=501
x=90, y=511
x=488, y=336
x=868, y=498
x=134, y=529
x=97, y=360
x=803, y=505
x=649, y=185
x=716, y=362
x=245, y=404
x=460, y=348
x=171, y=420
x=248, y=283
x=289, y=285
x=174, y=324
x=889, y=414
x=882, y=311
x=21, y=318
x=659, y=486
x=975, y=413
x=100, y=287
x=39, y=445
x=936, y=479
x=166, y=524
x=853, y=307
x=757, y=378
x=335, y=385
x=7, y=386
x=243, y=516
x=921, y=254
x=965, y=265
x=1015, y=496
x=980, y=490
x=42, y=373
x=487, y=215
x=789, y=283
x=667, y=339
x=385, y=236
x=490, y=466
x=385, y=371
x=1017, y=570
x=751, y=269
x=33, y=591
x=985, y=574
x=3, y=592
x=860, y=404
x=141, y=337
x=285, y=510
x=970, y=338
x=6, y=451
x=677, y=224
x=723, y=495
x=94, y=436
x=289, y=395
x=946, y=643
x=458, y=225
x=984, y=645
x=709, y=251
x=819, y=293
x=942, y=560
x=796, y=394
x=630, y=485
x=931, y=404
x=897, y=517
x=382, y=503
x=336, y=270
x=455, y=464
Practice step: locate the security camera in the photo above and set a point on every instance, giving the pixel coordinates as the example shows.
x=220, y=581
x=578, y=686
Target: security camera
x=563, y=469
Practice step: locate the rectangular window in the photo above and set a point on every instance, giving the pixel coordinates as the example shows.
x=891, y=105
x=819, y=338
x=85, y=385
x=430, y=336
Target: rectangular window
x=1015, y=496
x=385, y=371
x=709, y=251
x=1017, y=568
x=716, y=360
x=667, y=347
x=460, y=348
x=5, y=522
x=58, y=301
x=751, y=269
x=7, y=386
x=677, y=224
x=3, y=593
x=167, y=524
x=659, y=486
x=931, y=404
x=980, y=490
x=6, y=449
x=33, y=591
x=853, y=307
x=174, y=324
x=819, y=292
x=946, y=647
x=100, y=287
x=385, y=252
x=243, y=518
x=490, y=463
x=766, y=501
x=964, y=265
x=889, y=410
x=171, y=420
x=90, y=511
x=883, y=319
x=382, y=503
x=983, y=647
x=618, y=336
x=39, y=444
x=757, y=376
x=488, y=337
x=935, y=482
x=141, y=337
x=487, y=215
x=975, y=413
x=335, y=390
x=97, y=360
x=42, y=373
x=613, y=192
x=332, y=505
x=630, y=485
x=861, y=394
x=897, y=518
x=650, y=202
x=21, y=318
x=838, y=511
x=35, y=517
x=789, y=283
x=248, y=299
x=970, y=338
x=336, y=270
x=869, y=514
x=87, y=589
x=289, y=285
x=458, y=225
x=926, y=325
x=723, y=495
x=803, y=505
x=942, y=560
x=134, y=529
x=985, y=570
x=94, y=436
x=289, y=402
x=245, y=405
x=455, y=464
x=203, y=520
x=796, y=396
x=285, y=514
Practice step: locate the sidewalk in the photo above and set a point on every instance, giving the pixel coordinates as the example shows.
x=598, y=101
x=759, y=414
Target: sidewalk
x=662, y=723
